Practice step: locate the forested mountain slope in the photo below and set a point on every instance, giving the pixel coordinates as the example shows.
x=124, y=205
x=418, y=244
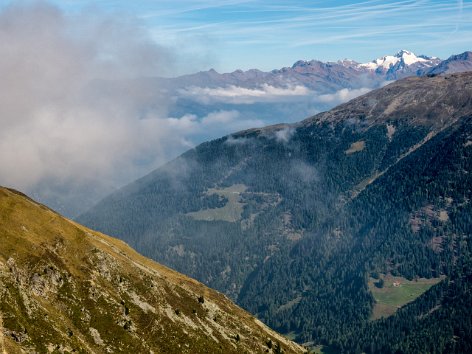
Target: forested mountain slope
x=438, y=322
x=65, y=288
x=294, y=221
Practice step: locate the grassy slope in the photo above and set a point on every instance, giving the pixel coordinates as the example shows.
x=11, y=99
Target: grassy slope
x=62, y=283
x=391, y=297
x=231, y=212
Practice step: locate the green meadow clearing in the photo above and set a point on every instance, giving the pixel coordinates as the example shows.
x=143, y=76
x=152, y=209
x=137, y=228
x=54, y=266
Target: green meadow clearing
x=396, y=292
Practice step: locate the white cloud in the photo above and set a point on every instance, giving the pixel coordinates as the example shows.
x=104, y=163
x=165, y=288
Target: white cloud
x=220, y=117
x=72, y=115
x=268, y=94
x=231, y=140
x=213, y=125
x=242, y=95
x=58, y=117
x=342, y=95
x=285, y=134
x=304, y=171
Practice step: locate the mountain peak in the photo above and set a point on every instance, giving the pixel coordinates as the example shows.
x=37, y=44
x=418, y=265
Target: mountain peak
x=304, y=63
x=347, y=62
x=463, y=56
x=403, y=52
x=402, y=58
x=455, y=63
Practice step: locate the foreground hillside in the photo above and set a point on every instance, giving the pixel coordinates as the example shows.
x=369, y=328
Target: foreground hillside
x=65, y=288
x=301, y=223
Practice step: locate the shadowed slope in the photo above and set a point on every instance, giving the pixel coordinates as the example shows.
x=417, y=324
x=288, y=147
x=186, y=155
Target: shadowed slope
x=379, y=186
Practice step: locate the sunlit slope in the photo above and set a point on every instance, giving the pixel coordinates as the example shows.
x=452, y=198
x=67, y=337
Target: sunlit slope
x=64, y=287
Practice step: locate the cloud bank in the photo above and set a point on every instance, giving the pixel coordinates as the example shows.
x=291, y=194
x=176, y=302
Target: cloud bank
x=75, y=116
x=79, y=115
x=342, y=95
x=266, y=93
x=57, y=122
x=241, y=95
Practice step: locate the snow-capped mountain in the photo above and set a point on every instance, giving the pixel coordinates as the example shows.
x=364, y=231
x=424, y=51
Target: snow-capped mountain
x=404, y=63
x=405, y=56
x=323, y=77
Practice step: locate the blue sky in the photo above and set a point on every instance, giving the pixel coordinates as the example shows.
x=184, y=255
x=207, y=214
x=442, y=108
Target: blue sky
x=232, y=34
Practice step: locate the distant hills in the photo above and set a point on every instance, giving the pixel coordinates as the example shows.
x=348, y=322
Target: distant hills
x=65, y=288
x=301, y=223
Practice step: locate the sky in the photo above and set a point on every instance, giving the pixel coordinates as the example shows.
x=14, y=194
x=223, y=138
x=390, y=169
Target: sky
x=243, y=34
x=78, y=118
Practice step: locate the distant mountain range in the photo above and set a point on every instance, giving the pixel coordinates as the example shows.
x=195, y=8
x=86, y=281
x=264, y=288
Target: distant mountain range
x=219, y=104
x=321, y=227
x=304, y=89
x=324, y=77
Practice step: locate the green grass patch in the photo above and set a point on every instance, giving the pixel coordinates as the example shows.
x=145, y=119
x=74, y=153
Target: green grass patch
x=323, y=349
x=231, y=212
x=397, y=292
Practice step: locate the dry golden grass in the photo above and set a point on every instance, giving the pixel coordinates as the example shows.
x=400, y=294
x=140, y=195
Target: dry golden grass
x=67, y=288
x=355, y=147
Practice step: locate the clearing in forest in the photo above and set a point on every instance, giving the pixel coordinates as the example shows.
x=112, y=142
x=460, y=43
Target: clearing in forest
x=355, y=147
x=232, y=210
x=396, y=292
